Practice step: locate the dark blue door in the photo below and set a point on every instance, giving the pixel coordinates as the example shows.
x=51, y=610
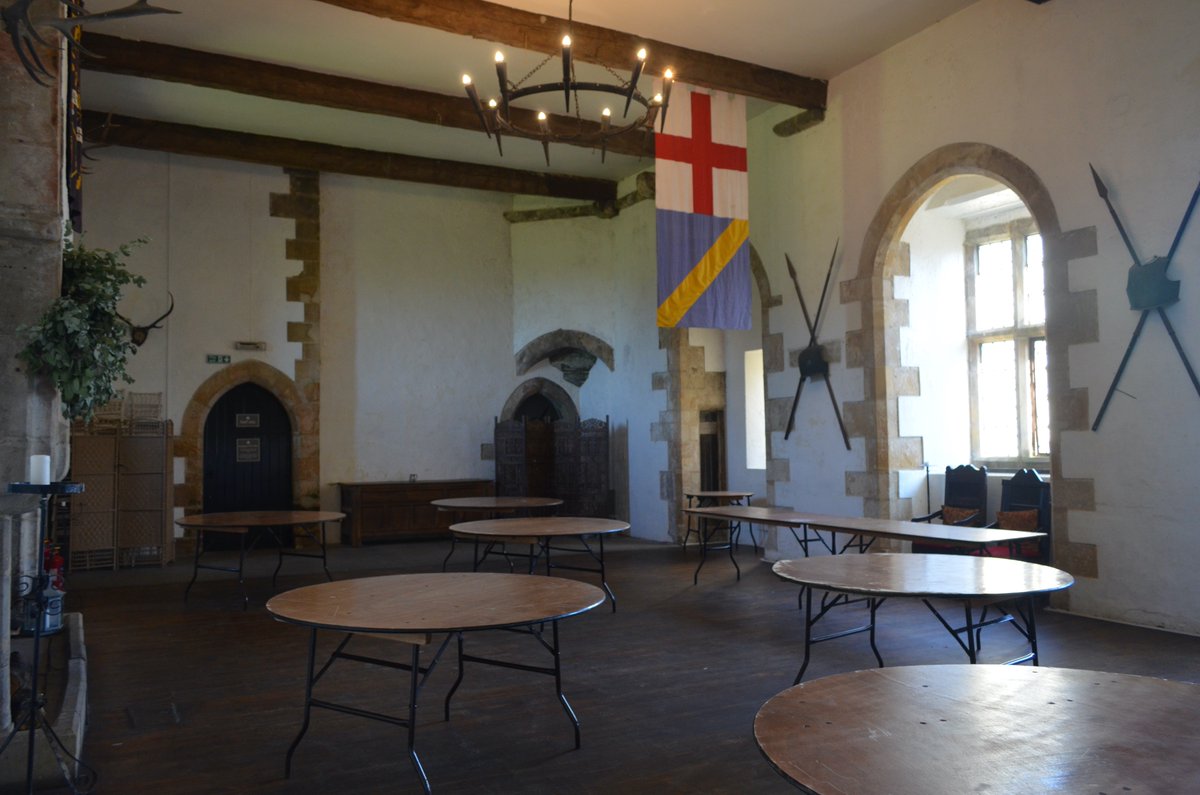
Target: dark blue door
x=247, y=454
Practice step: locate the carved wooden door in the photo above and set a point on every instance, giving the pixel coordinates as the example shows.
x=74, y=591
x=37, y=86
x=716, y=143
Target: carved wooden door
x=594, y=488
x=511, y=472
x=539, y=458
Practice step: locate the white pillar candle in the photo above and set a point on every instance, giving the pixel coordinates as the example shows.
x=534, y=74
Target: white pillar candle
x=39, y=470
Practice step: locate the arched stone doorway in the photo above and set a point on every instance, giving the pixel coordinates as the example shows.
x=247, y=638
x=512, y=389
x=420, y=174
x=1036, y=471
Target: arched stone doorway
x=301, y=414
x=541, y=389
x=874, y=348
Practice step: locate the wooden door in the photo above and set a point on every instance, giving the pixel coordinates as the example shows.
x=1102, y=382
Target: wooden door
x=247, y=455
x=539, y=458
x=595, y=493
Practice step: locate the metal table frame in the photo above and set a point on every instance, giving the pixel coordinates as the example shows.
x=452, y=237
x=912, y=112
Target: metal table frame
x=705, y=528
x=967, y=635
x=419, y=674
x=540, y=548
x=242, y=531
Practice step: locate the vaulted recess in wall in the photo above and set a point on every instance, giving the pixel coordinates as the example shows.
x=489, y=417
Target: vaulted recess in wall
x=958, y=174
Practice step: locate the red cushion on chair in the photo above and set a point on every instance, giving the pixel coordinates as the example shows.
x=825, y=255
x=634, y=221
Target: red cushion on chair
x=1018, y=520
x=952, y=515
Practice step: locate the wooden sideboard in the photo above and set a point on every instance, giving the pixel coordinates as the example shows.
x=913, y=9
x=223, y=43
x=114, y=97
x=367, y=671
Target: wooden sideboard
x=401, y=510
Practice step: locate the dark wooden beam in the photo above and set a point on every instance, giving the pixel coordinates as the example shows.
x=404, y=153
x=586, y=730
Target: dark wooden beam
x=592, y=44
x=106, y=129
x=799, y=123
x=181, y=65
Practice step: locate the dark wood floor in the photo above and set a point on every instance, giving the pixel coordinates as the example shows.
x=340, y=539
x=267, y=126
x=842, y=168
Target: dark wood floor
x=206, y=698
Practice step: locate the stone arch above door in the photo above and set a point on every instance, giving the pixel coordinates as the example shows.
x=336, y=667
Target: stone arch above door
x=1072, y=318
x=573, y=352
x=551, y=391
x=305, y=442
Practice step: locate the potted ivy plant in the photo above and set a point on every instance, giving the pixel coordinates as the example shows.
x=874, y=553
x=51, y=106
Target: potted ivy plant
x=81, y=343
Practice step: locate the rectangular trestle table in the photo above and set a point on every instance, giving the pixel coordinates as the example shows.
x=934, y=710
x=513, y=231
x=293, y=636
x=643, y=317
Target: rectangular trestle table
x=861, y=532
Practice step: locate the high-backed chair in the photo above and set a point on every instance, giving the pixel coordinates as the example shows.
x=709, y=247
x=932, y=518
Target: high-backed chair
x=964, y=500
x=1025, y=505
x=964, y=503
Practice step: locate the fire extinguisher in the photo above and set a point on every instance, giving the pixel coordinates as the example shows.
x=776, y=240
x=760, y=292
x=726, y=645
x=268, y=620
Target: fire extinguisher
x=55, y=589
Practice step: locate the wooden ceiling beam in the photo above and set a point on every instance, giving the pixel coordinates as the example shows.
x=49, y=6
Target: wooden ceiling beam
x=107, y=129
x=614, y=49
x=153, y=61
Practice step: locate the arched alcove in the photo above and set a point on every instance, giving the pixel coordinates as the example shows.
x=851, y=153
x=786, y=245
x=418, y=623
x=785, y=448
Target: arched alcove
x=874, y=348
x=572, y=352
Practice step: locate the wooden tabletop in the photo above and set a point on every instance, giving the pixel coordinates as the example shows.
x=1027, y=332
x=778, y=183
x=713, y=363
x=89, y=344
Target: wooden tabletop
x=883, y=528
x=540, y=526
x=934, y=729
x=497, y=504
x=234, y=519
x=912, y=574
x=440, y=602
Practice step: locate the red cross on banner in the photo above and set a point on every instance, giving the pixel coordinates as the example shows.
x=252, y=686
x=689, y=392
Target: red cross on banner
x=701, y=152
x=702, y=210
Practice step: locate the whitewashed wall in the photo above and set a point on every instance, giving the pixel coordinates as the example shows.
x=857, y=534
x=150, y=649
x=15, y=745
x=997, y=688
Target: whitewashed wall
x=795, y=210
x=935, y=341
x=417, y=329
x=212, y=244
x=598, y=276
x=1055, y=85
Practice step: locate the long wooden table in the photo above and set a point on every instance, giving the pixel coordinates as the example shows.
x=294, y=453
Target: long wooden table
x=706, y=529
x=974, y=581
x=862, y=531
x=240, y=523
x=415, y=607
x=539, y=533
x=949, y=729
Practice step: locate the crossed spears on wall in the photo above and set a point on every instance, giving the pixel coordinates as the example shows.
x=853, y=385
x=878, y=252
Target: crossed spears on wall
x=811, y=360
x=1148, y=289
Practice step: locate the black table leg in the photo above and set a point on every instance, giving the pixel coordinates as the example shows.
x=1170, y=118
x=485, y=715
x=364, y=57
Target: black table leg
x=195, y=563
x=413, y=690
x=806, y=598
x=319, y=538
x=562, y=699
x=972, y=638
x=555, y=670
x=308, y=700
x=1031, y=630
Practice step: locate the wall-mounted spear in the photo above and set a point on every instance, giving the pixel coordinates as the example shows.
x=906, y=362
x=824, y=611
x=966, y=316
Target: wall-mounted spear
x=1147, y=288
x=811, y=361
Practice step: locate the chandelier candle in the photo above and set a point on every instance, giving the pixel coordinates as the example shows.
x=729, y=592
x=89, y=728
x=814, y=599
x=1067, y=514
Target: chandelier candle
x=498, y=117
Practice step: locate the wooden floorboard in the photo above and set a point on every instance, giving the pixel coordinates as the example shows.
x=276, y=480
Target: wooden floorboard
x=205, y=698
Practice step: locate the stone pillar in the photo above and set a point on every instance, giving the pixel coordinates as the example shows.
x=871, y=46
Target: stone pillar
x=32, y=213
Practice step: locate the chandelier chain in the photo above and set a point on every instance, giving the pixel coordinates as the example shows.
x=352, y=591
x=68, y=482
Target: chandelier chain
x=533, y=71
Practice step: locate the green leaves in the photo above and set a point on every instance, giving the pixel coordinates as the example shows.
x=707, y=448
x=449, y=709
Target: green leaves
x=81, y=342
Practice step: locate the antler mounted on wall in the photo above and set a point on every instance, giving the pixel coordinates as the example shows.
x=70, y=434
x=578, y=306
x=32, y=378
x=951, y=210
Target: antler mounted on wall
x=138, y=334
x=22, y=29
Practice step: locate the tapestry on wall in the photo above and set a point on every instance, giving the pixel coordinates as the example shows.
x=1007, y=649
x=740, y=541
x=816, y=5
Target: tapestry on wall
x=702, y=211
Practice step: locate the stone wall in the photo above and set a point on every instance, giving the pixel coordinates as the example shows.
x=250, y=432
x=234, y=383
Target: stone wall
x=31, y=228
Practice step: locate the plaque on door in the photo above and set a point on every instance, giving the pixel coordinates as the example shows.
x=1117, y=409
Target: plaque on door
x=249, y=450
